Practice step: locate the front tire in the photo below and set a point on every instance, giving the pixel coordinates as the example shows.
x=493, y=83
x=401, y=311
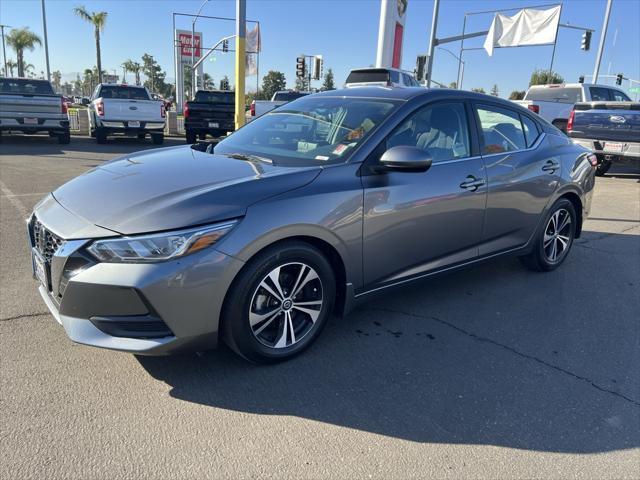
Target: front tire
x=603, y=166
x=555, y=240
x=64, y=139
x=279, y=303
x=190, y=136
x=101, y=135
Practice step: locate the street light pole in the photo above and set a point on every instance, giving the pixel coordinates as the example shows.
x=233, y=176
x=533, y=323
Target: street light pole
x=46, y=41
x=432, y=41
x=603, y=36
x=4, y=51
x=193, y=49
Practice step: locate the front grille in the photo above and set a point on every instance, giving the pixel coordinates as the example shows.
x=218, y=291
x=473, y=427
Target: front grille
x=45, y=241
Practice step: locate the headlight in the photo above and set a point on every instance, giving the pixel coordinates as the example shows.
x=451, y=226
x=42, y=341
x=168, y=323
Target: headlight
x=158, y=247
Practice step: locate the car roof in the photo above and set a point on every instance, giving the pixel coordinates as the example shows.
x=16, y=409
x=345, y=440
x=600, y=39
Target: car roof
x=571, y=85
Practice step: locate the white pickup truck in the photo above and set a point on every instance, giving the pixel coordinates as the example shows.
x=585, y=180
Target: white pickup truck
x=554, y=102
x=260, y=107
x=126, y=110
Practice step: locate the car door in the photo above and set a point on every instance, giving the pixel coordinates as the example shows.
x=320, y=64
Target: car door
x=522, y=173
x=415, y=222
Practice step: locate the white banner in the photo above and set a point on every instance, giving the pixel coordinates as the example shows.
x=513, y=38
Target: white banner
x=254, y=42
x=250, y=65
x=527, y=27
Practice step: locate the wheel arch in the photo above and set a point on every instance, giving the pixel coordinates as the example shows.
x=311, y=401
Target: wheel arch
x=574, y=198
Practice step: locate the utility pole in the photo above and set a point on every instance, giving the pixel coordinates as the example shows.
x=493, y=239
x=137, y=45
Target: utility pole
x=241, y=34
x=46, y=41
x=194, y=87
x=4, y=51
x=603, y=37
x=432, y=41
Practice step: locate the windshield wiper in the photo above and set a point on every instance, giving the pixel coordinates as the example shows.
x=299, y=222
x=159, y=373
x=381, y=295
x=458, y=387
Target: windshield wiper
x=248, y=158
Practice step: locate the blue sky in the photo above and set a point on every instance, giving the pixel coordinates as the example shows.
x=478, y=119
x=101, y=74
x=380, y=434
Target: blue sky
x=343, y=31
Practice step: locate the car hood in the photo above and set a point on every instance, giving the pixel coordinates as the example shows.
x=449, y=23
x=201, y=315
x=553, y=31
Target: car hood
x=173, y=188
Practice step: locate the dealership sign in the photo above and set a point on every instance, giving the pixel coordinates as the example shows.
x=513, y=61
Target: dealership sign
x=183, y=45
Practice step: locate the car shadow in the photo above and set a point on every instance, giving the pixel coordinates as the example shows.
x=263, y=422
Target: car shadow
x=42, y=144
x=481, y=356
x=629, y=169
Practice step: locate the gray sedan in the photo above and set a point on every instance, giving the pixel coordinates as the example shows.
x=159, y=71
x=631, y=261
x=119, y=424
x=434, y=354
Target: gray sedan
x=303, y=213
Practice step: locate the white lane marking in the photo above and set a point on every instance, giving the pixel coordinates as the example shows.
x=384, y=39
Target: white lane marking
x=14, y=201
x=41, y=194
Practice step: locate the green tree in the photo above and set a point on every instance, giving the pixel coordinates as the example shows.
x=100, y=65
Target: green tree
x=77, y=85
x=208, y=82
x=272, y=82
x=98, y=20
x=21, y=39
x=517, y=95
x=544, y=77
x=133, y=67
x=494, y=90
x=56, y=80
x=155, y=81
x=478, y=90
x=453, y=85
x=328, y=83
x=301, y=84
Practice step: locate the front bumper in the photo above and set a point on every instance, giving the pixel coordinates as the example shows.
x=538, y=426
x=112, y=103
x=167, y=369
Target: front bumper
x=629, y=149
x=149, y=309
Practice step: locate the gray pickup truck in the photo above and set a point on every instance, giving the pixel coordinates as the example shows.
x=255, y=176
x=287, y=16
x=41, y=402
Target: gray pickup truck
x=611, y=130
x=30, y=106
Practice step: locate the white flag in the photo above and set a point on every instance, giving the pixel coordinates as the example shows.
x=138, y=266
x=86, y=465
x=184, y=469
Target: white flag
x=254, y=42
x=250, y=65
x=527, y=27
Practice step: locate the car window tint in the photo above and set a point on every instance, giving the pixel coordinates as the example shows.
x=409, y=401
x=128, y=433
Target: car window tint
x=531, y=131
x=501, y=130
x=555, y=94
x=617, y=96
x=394, y=76
x=123, y=92
x=599, y=94
x=25, y=86
x=441, y=130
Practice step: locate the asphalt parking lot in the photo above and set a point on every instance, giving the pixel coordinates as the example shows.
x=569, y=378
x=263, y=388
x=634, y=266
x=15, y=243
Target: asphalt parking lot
x=494, y=372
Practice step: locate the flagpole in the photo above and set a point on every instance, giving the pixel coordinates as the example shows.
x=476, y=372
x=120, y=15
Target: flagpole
x=555, y=41
x=603, y=36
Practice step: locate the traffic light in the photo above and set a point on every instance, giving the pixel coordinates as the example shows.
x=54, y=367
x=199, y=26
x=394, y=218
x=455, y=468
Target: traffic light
x=317, y=67
x=581, y=79
x=301, y=67
x=421, y=61
x=225, y=46
x=619, y=78
x=586, y=40
x=224, y=84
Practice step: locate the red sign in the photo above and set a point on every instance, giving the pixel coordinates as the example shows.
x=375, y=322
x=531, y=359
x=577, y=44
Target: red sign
x=397, y=46
x=185, y=45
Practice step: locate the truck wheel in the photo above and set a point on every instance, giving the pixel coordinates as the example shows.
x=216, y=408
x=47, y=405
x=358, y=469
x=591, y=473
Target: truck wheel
x=101, y=135
x=191, y=137
x=157, y=138
x=202, y=136
x=64, y=139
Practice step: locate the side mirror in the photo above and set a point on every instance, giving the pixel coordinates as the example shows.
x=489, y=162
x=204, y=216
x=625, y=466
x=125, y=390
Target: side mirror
x=405, y=159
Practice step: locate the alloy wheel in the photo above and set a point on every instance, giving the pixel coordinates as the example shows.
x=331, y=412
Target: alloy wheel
x=286, y=305
x=557, y=235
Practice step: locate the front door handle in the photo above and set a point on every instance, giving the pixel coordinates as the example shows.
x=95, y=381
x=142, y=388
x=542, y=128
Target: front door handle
x=551, y=166
x=472, y=183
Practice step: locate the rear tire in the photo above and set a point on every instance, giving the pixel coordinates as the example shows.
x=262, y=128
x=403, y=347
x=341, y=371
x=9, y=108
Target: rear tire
x=268, y=322
x=554, y=240
x=190, y=136
x=101, y=135
x=202, y=136
x=65, y=138
x=157, y=138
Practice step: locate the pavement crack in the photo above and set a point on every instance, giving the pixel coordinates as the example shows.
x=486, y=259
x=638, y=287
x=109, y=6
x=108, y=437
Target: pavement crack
x=510, y=349
x=26, y=315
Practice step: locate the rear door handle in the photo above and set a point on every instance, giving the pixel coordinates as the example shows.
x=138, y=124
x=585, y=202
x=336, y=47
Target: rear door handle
x=551, y=166
x=472, y=183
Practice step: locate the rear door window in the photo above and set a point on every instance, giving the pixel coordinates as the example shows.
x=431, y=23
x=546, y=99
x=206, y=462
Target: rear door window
x=501, y=130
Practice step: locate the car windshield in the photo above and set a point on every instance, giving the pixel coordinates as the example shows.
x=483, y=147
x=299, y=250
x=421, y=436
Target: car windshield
x=215, y=97
x=123, y=92
x=25, y=86
x=310, y=130
x=555, y=94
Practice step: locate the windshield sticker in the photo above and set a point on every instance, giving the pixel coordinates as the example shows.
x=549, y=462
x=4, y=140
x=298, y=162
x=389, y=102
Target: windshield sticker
x=340, y=149
x=322, y=157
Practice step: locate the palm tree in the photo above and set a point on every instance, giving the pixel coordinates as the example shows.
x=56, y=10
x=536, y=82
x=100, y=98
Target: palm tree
x=133, y=67
x=207, y=82
x=28, y=70
x=11, y=65
x=98, y=20
x=20, y=39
